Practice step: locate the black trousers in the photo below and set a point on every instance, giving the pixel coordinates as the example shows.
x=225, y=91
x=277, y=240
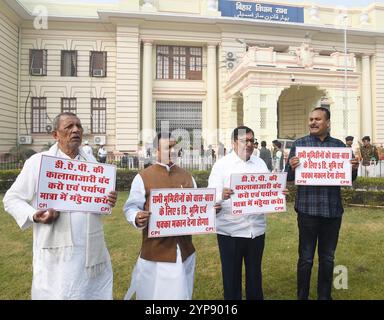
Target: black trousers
x=233, y=250
x=325, y=232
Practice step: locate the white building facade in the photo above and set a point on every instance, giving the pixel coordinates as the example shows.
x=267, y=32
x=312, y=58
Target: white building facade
x=202, y=66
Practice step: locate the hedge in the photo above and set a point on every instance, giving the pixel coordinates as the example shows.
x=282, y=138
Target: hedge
x=365, y=191
x=369, y=183
x=124, y=179
x=7, y=177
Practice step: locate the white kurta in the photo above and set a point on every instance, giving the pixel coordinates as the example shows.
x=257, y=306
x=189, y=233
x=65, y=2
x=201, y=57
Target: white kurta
x=157, y=280
x=56, y=278
x=163, y=280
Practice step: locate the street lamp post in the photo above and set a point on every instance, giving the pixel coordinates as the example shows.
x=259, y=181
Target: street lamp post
x=345, y=18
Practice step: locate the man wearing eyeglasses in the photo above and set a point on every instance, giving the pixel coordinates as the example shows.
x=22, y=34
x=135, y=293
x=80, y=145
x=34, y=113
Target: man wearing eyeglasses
x=239, y=237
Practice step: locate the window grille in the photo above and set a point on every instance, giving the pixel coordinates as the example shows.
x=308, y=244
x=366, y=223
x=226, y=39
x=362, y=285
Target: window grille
x=69, y=105
x=68, y=63
x=39, y=115
x=98, y=115
x=185, y=115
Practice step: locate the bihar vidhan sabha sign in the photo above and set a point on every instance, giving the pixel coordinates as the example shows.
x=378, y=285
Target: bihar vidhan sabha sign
x=324, y=166
x=252, y=9
x=71, y=185
x=186, y=211
x=257, y=193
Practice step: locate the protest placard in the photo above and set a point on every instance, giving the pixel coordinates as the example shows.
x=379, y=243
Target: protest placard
x=186, y=211
x=72, y=185
x=324, y=166
x=257, y=193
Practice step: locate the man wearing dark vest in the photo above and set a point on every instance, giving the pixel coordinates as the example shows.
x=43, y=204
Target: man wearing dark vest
x=165, y=267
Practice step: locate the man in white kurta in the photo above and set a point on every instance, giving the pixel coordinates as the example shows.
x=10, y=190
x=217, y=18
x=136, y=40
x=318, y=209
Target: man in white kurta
x=155, y=275
x=70, y=258
x=87, y=148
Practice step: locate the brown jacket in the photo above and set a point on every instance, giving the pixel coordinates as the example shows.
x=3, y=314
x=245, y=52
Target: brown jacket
x=164, y=249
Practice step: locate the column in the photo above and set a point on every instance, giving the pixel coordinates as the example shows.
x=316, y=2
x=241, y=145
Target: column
x=366, y=101
x=127, y=114
x=147, y=103
x=251, y=108
x=212, y=95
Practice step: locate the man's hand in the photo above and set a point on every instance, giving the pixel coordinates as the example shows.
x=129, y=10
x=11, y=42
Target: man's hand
x=112, y=198
x=294, y=162
x=142, y=218
x=217, y=207
x=286, y=192
x=46, y=216
x=227, y=193
x=355, y=163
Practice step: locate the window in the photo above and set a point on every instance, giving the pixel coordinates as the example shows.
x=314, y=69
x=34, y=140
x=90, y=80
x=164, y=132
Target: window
x=263, y=100
x=263, y=111
x=68, y=63
x=182, y=117
x=98, y=115
x=345, y=119
x=39, y=115
x=263, y=118
x=162, y=58
x=175, y=62
x=37, y=62
x=98, y=64
x=68, y=105
x=195, y=63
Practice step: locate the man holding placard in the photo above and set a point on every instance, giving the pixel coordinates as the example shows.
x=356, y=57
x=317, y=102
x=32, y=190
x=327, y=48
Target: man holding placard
x=165, y=267
x=70, y=258
x=240, y=237
x=319, y=174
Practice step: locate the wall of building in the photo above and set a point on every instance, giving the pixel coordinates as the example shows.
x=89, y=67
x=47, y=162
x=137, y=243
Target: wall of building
x=64, y=36
x=9, y=37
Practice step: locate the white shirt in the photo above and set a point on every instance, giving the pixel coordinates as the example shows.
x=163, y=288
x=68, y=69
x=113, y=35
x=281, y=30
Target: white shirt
x=276, y=166
x=88, y=150
x=136, y=199
x=246, y=226
x=102, y=152
x=256, y=152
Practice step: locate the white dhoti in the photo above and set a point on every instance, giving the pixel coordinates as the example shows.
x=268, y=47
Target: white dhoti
x=68, y=279
x=163, y=280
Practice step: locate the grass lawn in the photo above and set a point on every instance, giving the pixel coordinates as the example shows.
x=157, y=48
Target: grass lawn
x=360, y=249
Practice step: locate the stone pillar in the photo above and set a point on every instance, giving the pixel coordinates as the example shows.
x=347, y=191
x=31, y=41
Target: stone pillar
x=251, y=108
x=337, y=114
x=128, y=82
x=366, y=94
x=147, y=103
x=212, y=95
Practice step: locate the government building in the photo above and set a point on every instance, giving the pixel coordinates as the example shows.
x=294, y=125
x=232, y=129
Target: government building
x=199, y=67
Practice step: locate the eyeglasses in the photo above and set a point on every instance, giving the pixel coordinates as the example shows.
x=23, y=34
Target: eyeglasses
x=245, y=141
